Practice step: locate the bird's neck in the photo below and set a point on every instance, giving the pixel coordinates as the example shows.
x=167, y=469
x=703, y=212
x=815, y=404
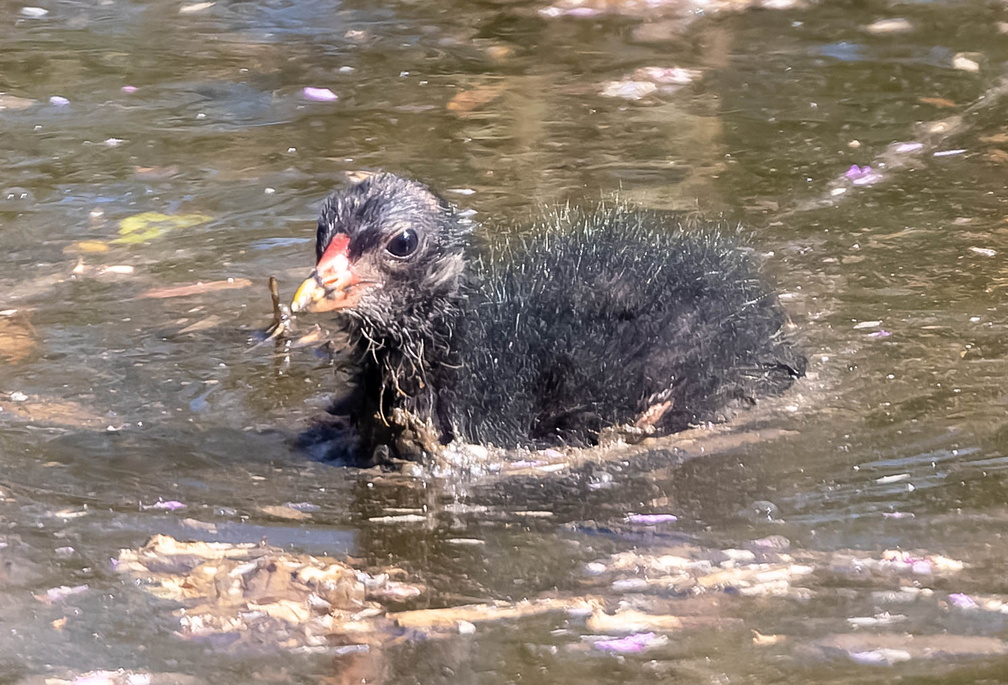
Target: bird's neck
x=415, y=360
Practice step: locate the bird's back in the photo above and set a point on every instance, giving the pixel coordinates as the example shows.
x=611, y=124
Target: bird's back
x=611, y=318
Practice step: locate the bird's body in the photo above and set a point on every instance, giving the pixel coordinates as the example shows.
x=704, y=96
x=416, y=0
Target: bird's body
x=613, y=318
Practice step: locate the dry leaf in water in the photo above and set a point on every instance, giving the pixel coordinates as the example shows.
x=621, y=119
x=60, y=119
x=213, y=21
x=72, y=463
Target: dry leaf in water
x=286, y=513
x=195, y=289
x=937, y=102
x=17, y=339
x=475, y=98
x=87, y=247
x=14, y=102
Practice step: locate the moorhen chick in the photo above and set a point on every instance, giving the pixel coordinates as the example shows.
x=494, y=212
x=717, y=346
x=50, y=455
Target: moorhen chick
x=615, y=319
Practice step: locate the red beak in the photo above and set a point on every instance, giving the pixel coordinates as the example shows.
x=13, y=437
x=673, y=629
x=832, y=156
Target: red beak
x=333, y=284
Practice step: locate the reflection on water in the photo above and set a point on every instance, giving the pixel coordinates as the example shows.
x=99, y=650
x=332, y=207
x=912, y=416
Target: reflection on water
x=123, y=416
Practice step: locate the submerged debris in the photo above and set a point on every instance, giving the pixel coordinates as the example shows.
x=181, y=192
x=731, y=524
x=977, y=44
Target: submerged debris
x=649, y=80
x=253, y=595
x=282, y=331
x=256, y=594
x=886, y=649
x=299, y=600
x=449, y=619
x=282, y=318
x=117, y=677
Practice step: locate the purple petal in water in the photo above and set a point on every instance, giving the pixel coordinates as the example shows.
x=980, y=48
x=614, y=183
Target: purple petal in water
x=962, y=601
x=631, y=644
x=582, y=12
x=165, y=505
x=862, y=175
x=319, y=94
x=651, y=519
x=629, y=90
x=669, y=75
x=879, y=657
x=303, y=506
x=856, y=172
x=57, y=594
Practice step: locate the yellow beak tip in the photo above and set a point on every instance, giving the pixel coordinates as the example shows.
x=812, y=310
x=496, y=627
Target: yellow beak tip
x=305, y=296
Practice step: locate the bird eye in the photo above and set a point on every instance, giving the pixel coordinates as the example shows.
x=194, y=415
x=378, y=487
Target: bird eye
x=404, y=243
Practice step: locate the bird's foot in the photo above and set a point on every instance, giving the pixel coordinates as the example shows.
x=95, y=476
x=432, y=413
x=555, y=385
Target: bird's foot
x=652, y=415
x=627, y=433
x=417, y=438
x=645, y=426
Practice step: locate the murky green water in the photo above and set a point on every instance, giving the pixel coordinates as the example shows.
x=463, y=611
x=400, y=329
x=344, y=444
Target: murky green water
x=896, y=440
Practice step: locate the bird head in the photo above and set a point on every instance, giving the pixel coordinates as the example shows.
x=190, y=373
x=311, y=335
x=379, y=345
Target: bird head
x=387, y=250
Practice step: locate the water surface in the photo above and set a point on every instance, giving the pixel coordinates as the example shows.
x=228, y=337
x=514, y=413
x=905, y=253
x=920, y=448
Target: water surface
x=894, y=441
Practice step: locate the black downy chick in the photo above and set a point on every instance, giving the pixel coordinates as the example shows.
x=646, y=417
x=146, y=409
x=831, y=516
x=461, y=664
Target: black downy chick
x=619, y=319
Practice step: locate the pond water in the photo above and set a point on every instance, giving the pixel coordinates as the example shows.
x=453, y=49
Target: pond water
x=151, y=145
